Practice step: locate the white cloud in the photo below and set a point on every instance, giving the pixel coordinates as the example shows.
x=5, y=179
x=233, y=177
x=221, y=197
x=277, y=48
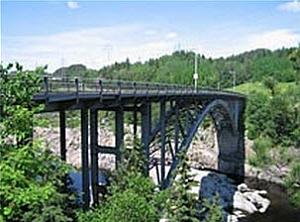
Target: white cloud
x=274, y=39
x=98, y=46
x=93, y=47
x=293, y=6
x=72, y=4
x=171, y=35
x=150, y=32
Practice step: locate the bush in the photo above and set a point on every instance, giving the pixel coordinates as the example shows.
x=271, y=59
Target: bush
x=127, y=206
x=132, y=195
x=261, y=148
x=31, y=178
x=292, y=183
x=213, y=210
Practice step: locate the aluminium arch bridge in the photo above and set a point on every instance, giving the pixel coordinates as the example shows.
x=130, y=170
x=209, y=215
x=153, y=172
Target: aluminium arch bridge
x=182, y=109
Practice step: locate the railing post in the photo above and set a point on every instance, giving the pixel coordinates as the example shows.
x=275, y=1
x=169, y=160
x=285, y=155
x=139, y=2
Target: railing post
x=147, y=89
x=119, y=88
x=100, y=90
x=77, y=90
x=46, y=88
x=134, y=88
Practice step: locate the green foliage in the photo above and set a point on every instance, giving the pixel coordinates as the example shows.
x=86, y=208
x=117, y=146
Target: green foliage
x=294, y=56
x=261, y=148
x=183, y=203
x=292, y=183
x=30, y=176
x=178, y=68
x=132, y=195
x=212, y=210
x=270, y=83
x=280, y=124
x=123, y=207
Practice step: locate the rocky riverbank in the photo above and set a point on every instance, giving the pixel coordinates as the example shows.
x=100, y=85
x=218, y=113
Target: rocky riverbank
x=237, y=201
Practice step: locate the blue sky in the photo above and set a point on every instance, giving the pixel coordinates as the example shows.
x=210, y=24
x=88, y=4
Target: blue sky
x=97, y=33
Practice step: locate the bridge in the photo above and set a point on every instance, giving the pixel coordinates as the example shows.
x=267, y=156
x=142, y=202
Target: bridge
x=182, y=109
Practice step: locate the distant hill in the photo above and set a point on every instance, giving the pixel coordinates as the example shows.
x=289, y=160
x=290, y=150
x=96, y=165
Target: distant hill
x=178, y=68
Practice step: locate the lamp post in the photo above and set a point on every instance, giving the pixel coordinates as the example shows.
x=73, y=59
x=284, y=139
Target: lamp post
x=196, y=76
x=232, y=72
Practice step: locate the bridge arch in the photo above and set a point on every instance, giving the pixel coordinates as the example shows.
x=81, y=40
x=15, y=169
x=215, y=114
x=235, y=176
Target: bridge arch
x=227, y=118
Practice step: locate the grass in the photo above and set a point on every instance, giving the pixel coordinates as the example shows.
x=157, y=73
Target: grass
x=249, y=87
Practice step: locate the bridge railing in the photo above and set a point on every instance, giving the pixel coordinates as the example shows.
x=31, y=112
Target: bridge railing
x=104, y=87
x=52, y=85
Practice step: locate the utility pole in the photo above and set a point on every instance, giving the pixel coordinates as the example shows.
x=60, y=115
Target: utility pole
x=196, y=76
x=232, y=72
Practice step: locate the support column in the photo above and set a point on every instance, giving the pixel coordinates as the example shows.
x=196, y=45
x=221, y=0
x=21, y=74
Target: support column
x=146, y=117
x=135, y=123
x=94, y=154
x=84, y=157
x=150, y=117
x=176, y=128
x=62, y=126
x=162, y=141
x=119, y=121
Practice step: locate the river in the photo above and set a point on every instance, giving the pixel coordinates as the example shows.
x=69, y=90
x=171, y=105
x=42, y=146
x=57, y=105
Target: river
x=280, y=209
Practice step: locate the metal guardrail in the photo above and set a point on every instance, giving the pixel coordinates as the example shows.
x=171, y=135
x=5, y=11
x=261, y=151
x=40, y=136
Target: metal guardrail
x=115, y=87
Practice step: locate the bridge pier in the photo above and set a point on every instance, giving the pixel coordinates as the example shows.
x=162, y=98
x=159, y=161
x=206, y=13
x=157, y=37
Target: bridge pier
x=94, y=154
x=119, y=133
x=62, y=127
x=162, y=141
x=84, y=157
x=146, y=130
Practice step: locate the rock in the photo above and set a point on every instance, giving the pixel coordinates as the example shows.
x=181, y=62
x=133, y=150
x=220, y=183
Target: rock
x=242, y=187
x=261, y=192
x=240, y=202
x=239, y=214
x=260, y=202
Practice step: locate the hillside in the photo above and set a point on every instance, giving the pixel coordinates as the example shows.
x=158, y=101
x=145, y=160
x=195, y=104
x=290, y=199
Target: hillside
x=178, y=68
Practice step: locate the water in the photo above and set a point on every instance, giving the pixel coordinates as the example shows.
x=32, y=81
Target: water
x=76, y=185
x=280, y=209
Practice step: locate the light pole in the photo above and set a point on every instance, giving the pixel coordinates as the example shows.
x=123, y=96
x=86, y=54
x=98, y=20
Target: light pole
x=196, y=76
x=232, y=72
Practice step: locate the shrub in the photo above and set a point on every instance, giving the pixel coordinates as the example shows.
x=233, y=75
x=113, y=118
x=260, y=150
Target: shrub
x=127, y=206
x=31, y=178
x=212, y=210
x=292, y=183
x=261, y=148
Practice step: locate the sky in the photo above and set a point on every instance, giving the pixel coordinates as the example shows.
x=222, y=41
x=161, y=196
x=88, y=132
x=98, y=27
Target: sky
x=98, y=33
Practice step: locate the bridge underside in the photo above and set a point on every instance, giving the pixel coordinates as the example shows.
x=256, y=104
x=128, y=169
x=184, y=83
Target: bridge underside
x=163, y=135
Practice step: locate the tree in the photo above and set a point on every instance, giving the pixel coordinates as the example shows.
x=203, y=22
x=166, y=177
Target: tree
x=270, y=83
x=295, y=58
x=292, y=183
x=31, y=178
x=183, y=202
x=132, y=195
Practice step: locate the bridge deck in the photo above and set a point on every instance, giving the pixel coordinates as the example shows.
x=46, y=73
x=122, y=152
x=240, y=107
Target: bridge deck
x=107, y=93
